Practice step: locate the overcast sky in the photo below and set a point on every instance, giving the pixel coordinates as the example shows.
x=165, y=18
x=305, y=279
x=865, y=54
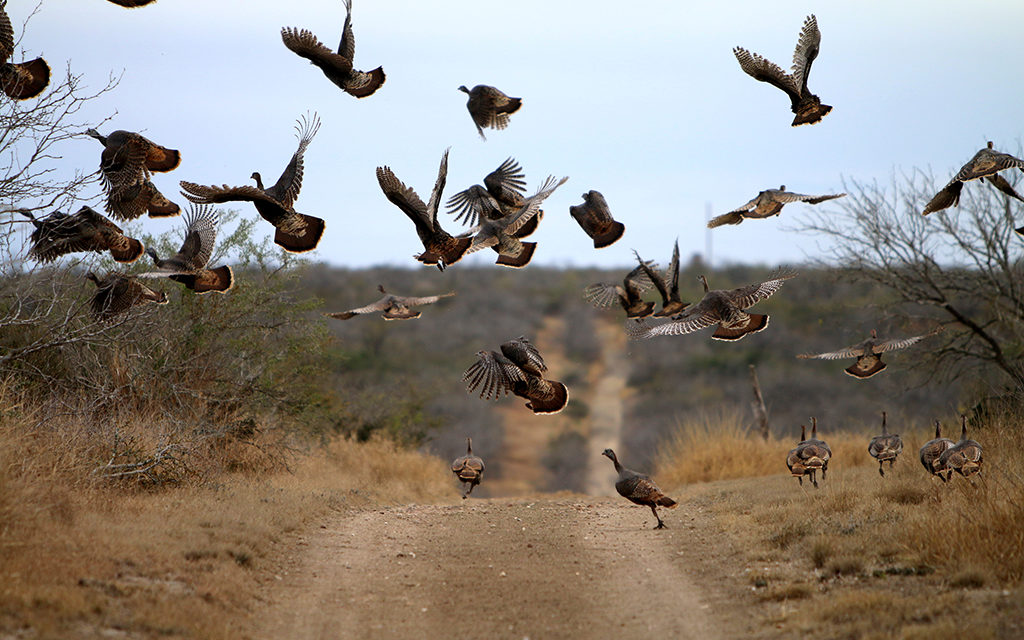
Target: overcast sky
x=647, y=105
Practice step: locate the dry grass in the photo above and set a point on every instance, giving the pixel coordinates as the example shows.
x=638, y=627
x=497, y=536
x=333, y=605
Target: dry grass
x=84, y=556
x=719, y=446
x=901, y=556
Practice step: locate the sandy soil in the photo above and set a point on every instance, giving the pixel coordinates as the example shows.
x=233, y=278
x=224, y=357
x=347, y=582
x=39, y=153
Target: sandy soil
x=500, y=568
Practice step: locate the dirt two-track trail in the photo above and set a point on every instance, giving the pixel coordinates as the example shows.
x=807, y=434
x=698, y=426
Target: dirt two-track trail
x=527, y=565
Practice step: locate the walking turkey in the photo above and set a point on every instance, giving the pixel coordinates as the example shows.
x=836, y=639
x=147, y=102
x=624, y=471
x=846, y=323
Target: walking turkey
x=469, y=469
x=964, y=457
x=931, y=454
x=639, y=489
x=885, y=448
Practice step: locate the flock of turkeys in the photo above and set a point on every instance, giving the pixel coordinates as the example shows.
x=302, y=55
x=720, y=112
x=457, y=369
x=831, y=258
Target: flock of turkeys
x=499, y=214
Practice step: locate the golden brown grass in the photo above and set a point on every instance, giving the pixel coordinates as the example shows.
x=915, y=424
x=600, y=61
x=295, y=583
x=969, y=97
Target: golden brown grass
x=721, y=447
x=83, y=556
x=865, y=556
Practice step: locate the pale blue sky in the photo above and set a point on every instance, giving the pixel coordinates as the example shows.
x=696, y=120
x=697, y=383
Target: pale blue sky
x=647, y=105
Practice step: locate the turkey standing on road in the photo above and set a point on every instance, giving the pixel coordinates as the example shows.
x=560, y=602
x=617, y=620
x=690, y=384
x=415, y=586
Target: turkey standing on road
x=667, y=284
x=804, y=104
x=964, y=457
x=503, y=234
x=490, y=107
x=126, y=163
x=295, y=232
x=768, y=203
x=393, y=307
x=595, y=218
x=59, y=234
x=868, y=353
x=639, y=489
x=440, y=248
x=987, y=163
x=724, y=308
x=885, y=447
x=519, y=368
x=188, y=266
x=336, y=66
x=931, y=454
x=116, y=293
x=469, y=469
x=636, y=282
x=19, y=80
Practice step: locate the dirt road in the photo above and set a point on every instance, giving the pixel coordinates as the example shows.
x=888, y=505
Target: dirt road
x=500, y=568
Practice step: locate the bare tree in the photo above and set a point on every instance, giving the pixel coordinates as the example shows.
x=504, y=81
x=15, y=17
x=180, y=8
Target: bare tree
x=965, y=263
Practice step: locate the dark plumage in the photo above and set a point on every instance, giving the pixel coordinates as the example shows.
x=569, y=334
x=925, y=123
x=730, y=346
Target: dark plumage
x=627, y=295
x=964, y=457
x=59, y=234
x=490, y=107
x=667, y=284
x=931, y=454
x=724, y=308
x=132, y=4
x=885, y=447
x=392, y=307
x=126, y=163
x=336, y=66
x=19, y=80
x=519, y=369
x=987, y=163
x=295, y=232
x=868, y=353
x=503, y=234
x=638, y=488
x=116, y=293
x=767, y=203
x=807, y=106
x=469, y=469
x=595, y=218
x=189, y=265
x=440, y=248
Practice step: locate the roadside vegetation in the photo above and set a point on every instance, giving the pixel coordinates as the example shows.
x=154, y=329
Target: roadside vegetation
x=865, y=556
